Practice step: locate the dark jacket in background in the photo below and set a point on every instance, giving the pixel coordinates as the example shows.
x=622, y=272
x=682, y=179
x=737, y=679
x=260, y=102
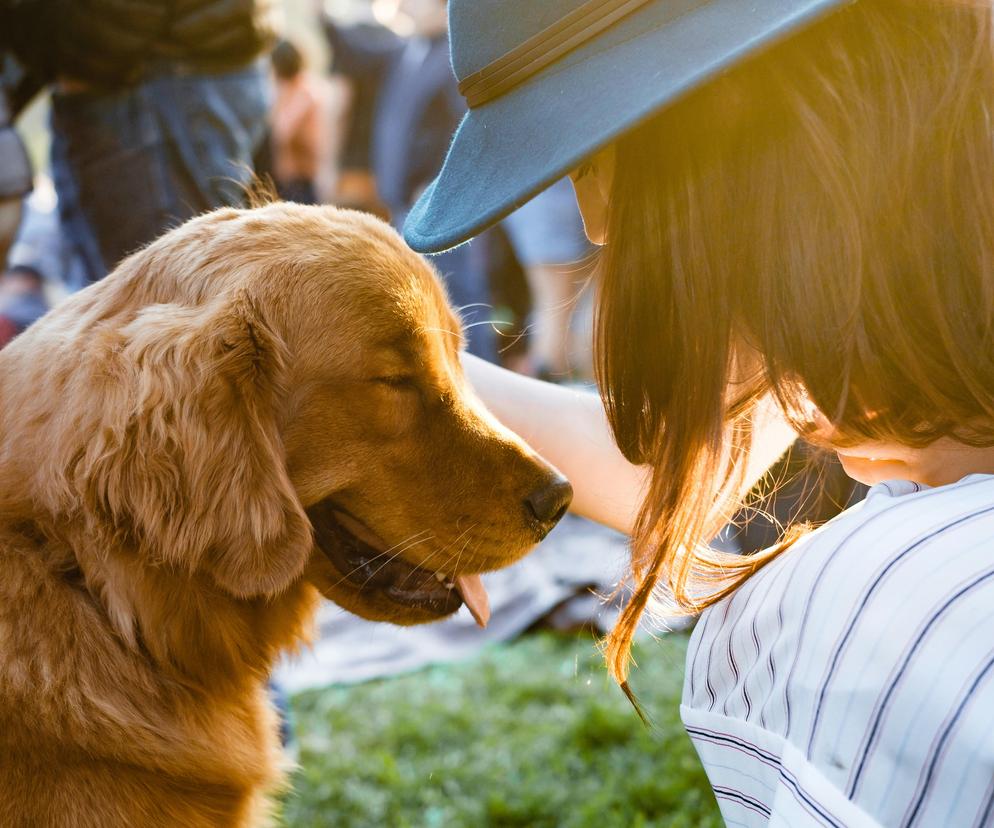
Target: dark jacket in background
x=363, y=53
x=111, y=43
x=408, y=106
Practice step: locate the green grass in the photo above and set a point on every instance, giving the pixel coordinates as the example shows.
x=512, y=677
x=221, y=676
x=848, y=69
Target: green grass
x=529, y=734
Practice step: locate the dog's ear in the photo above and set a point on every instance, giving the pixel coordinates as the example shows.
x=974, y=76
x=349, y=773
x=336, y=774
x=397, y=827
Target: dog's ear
x=187, y=458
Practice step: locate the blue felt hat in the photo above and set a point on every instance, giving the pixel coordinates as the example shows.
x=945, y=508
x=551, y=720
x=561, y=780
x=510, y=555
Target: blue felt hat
x=549, y=82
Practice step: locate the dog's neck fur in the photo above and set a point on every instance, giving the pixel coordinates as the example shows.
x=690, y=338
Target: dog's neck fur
x=186, y=625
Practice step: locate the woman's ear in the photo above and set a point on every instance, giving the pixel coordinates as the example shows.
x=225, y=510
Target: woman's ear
x=188, y=455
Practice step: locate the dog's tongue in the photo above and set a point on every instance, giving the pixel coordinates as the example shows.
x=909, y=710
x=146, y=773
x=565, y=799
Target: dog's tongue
x=474, y=596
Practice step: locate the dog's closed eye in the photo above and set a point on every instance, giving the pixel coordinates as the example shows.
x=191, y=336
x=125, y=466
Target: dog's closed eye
x=399, y=381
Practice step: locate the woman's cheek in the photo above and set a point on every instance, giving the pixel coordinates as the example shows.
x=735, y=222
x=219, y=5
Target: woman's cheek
x=872, y=472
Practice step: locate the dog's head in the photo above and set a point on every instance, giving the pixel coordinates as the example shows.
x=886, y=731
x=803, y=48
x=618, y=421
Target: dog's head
x=273, y=394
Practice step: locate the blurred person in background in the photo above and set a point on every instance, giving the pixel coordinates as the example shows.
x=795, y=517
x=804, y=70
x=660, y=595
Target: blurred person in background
x=22, y=300
x=15, y=183
x=361, y=50
x=405, y=105
x=548, y=239
x=16, y=88
x=297, y=128
x=417, y=105
x=41, y=245
x=157, y=108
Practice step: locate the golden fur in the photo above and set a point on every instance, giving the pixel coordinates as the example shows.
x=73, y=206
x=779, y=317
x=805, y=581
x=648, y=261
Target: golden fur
x=162, y=436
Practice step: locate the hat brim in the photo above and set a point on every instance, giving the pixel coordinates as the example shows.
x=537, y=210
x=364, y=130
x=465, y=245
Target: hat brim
x=506, y=152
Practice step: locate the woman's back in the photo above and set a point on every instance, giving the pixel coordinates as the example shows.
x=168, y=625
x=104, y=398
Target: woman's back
x=852, y=679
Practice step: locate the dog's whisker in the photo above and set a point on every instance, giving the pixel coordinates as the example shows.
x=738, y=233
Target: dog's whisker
x=458, y=538
x=459, y=556
x=439, y=552
x=396, y=546
x=406, y=544
x=461, y=535
x=393, y=558
x=515, y=339
x=425, y=564
x=425, y=329
x=494, y=323
x=389, y=560
x=408, y=540
x=377, y=570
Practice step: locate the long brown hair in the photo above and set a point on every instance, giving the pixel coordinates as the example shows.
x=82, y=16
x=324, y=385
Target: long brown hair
x=818, y=225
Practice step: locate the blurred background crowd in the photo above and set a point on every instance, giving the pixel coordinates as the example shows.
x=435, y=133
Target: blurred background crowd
x=140, y=115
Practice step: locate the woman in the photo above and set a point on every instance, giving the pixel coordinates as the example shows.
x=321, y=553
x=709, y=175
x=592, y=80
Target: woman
x=297, y=135
x=797, y=211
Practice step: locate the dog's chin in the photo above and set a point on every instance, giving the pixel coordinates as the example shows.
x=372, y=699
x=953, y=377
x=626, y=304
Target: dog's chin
x=356, y=570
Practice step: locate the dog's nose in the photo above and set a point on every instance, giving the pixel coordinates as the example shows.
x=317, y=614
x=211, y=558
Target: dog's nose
x=549, y=503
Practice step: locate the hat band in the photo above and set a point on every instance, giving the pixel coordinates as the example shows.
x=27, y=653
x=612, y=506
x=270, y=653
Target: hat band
x=543, y=49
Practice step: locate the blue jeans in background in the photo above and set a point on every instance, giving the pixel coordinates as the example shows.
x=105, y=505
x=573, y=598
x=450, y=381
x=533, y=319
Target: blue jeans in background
x=132, y=163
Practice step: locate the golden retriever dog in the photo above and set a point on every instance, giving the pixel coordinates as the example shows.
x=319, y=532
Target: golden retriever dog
x=259, y=407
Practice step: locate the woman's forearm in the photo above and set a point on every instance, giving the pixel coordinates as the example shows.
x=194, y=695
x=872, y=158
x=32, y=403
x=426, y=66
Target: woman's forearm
x=569, y=429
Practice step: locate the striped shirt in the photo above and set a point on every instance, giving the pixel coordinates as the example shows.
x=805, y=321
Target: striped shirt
x=851, y=681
